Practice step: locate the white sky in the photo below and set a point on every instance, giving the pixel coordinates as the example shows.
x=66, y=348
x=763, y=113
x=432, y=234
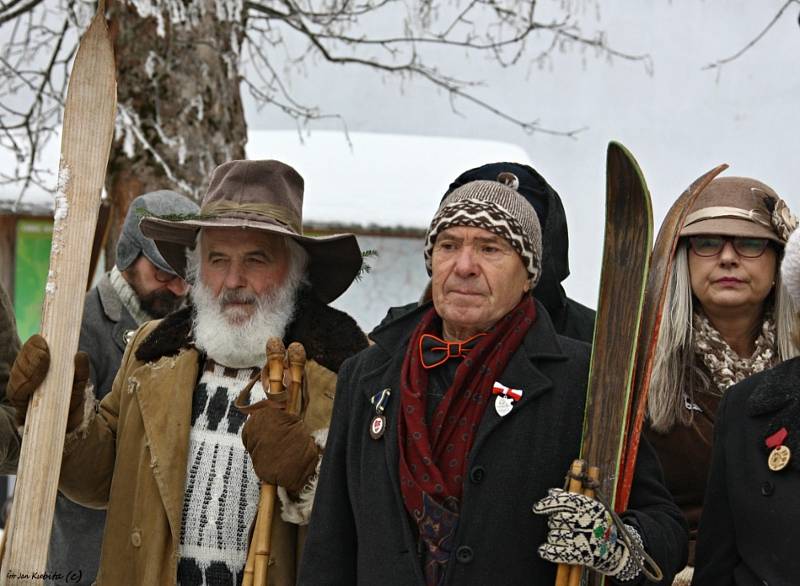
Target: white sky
x=679, y=122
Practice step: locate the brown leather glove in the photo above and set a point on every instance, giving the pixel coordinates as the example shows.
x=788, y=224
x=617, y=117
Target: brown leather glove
x=27, y=375
x=280, y=446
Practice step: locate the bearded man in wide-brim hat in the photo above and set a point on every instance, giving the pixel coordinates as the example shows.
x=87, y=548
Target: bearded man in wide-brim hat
x=167, y=452
x=464, y=415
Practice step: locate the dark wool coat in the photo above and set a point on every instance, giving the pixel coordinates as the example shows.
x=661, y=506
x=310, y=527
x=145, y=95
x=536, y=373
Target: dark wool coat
x=360, y=532
x=750, y=528
x=78, y=531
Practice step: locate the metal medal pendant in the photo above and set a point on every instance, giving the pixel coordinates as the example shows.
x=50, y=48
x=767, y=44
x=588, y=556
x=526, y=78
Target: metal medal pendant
x=779, y=458
x=503, y=405
x=377, y=426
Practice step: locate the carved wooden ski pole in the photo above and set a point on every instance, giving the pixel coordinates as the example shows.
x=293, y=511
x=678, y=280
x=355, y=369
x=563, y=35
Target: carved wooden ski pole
x=576, y=472
x=592, y=475
x=85, y=143
x=255, y=571
x=257, y=565
x=297, y=364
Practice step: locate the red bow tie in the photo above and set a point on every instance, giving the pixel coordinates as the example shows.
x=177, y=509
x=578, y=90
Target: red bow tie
x=434, y=351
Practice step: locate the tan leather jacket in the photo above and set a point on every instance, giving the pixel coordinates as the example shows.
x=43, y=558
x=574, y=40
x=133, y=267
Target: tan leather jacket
x=131, y=458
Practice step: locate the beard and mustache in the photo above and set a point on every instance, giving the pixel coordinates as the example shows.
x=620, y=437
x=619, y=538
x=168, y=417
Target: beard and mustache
x=227, y=335
x=160, y=303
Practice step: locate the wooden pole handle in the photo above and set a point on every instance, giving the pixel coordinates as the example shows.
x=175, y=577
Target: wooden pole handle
x=576, y=472
x=576, y=572
x=257, y=566
x=276, y=357
x=297, y=364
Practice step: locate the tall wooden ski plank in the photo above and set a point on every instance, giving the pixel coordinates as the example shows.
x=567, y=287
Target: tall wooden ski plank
x=86, y=140
x=626, y=253
x=661, y=263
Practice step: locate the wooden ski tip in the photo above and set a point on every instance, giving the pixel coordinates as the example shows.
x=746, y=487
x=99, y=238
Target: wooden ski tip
x=614, y=145
x=617, y=150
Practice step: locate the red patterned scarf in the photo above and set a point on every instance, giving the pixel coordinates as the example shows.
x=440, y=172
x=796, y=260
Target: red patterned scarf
x=433, y=459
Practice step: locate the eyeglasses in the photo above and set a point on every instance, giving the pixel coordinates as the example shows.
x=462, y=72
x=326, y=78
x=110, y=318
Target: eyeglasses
x=744, y=246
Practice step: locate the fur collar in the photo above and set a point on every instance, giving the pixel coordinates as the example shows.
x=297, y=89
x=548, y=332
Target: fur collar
x=778, y=397
x=329, y=336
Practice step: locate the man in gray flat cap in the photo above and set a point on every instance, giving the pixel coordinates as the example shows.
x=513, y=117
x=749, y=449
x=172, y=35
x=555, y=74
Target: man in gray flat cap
x=139, y=288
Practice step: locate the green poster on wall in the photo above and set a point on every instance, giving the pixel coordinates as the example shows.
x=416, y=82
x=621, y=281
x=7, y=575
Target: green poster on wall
x=30, y=274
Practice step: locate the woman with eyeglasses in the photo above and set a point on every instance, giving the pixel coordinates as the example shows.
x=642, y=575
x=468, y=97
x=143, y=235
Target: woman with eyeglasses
x=726, y=317
x=750, y=527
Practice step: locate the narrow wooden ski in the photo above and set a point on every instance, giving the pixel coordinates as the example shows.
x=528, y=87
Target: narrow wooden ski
x=85, y=144
x=661, y=263
x=626, y=254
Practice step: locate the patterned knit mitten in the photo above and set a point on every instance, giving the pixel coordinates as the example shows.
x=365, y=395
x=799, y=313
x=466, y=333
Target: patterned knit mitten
x=582, y=531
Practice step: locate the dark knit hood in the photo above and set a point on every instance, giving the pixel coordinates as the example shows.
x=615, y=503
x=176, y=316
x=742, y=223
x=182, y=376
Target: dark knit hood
x=777, y=400
x=329, y=336
x=553, y=220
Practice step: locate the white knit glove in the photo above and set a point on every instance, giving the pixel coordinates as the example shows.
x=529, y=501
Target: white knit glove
x=582, y=531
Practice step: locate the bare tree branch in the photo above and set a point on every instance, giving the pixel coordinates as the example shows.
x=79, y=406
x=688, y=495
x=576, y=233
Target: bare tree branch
x=719, y=63
x=401, y=38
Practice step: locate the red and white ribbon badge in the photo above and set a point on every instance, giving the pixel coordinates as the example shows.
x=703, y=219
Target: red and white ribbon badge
x=500, y=389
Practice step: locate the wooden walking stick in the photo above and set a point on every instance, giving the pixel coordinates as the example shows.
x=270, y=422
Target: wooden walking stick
x=593, y=476
x=574, y=484
x=257, y=566
x=85, y=144
x=297, y=365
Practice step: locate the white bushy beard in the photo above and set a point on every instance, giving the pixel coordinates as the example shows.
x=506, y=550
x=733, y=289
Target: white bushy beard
x=242, y=344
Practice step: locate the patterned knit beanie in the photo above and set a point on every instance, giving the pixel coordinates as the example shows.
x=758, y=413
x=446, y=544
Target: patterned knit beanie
x=496, y=207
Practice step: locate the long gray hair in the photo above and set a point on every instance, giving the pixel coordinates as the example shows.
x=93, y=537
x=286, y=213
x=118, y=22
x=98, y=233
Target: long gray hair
x=675, y=373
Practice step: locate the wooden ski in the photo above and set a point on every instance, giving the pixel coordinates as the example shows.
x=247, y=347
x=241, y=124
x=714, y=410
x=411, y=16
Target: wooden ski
x=661, y=263
x=626, y=254
x=85, y=144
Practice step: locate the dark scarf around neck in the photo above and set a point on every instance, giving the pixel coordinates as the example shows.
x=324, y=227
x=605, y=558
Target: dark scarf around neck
x=433, y=458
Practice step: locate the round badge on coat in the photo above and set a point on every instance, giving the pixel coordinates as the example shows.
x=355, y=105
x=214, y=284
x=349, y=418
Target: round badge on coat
x=779, y=458
x=377, y=426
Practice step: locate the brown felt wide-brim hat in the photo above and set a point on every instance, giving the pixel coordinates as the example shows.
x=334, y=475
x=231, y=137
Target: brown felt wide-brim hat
x=733, y=206
x=266, y=196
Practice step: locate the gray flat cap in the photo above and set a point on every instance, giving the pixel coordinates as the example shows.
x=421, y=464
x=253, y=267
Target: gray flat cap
x=132, y=242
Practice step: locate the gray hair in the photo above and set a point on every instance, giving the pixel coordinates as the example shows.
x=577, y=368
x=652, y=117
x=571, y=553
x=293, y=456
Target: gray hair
x=298, y=260
x=675, y=372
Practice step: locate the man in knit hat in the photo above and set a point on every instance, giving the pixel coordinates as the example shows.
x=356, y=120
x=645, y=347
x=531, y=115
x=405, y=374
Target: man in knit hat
x=464, y=414
x=570, y=318
x=167, y=452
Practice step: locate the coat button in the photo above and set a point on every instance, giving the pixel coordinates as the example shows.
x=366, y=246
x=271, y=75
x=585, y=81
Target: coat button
x=464, y=554
x=136, y=539
x=767, y=488
x=477, y=474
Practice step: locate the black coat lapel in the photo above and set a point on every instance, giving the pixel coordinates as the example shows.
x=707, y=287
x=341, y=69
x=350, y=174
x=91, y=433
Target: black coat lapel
x=540, y=344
